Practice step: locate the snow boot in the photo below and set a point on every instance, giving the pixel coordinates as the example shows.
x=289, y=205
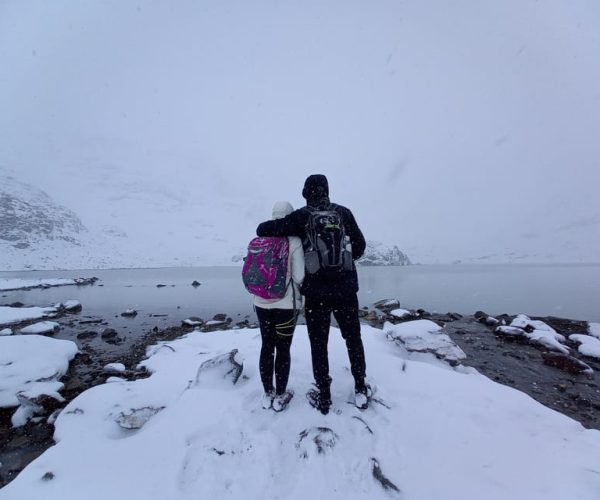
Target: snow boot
x=362, y=396
x=267, y=401
x=281, y=401
x=320, y=400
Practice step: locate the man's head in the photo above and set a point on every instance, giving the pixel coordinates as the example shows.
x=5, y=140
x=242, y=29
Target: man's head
x=316, y=187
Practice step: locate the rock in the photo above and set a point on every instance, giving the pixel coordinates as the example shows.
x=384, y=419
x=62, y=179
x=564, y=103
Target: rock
x=220, y=317
x=192, y=321
x=87, y=335
x=129, y=313
x=195, y=284
x=136, y=418
x=16, y=304
x=72, y=306
x=564, y=326
x=386, y=305
x=454, y=316
x=491, y=321
x=509, y=331
x=49, y=476
x=316, y=440
x=160, y=285
x=566, y=363
x=114, y=368
x=227, y=366
x=5, y=332
x=109, y=333
x=480, y=315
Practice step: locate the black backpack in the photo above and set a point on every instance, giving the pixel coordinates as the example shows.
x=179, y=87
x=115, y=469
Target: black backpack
x=326, y=246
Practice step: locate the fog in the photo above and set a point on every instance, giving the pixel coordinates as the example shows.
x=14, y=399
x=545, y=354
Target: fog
x=456, y=130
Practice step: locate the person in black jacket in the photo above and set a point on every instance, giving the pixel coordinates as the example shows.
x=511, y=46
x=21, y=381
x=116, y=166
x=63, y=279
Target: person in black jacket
x=328, y=292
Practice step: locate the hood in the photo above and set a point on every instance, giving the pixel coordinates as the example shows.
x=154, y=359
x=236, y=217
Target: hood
x=281, y=209
x=316, y=188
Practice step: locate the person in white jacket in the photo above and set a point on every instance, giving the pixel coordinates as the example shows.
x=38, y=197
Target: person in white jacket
x=277, y=320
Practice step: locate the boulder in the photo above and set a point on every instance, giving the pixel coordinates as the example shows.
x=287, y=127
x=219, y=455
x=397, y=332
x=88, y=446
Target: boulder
x=567, y=363
x=136, y=418
x=129, y=313
x=226, y=366
x=195, y=284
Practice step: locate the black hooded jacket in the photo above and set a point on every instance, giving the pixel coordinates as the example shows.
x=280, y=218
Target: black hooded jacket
x=340, y=283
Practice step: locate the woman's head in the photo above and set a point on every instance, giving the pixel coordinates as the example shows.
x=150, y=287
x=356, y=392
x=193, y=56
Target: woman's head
x=281, y=209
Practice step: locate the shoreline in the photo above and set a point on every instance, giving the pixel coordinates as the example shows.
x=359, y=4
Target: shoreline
x=512, y=362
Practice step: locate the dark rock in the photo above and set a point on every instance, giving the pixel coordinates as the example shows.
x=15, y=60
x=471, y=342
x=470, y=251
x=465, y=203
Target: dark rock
x=423, y=313
x=130, y=313
x=220, y=317
x=387, y=305
x=566, y=363
x=480, y=314
x=160, y=285
x=195, y=284
x=564, y=326
x=49, y=476
x=16, y=304
x=87, y=335
x=109, y=333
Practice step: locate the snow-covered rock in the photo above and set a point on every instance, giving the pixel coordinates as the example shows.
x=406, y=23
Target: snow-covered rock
x=72, y=306
x=540, y=333
x=212, y=440
x=31, y=366
x=425, y=336
x=401, y=313
x=9, y=315
x=588, y=345
x=5, y=331
x=594, y=330
x=378, y=254
x=114, y=367
x=41, y=328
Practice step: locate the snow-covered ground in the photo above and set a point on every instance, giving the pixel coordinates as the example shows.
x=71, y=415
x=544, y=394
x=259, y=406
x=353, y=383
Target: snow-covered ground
x=9, y=315
x=434, y=432
x=31, y=365
x=7, y=284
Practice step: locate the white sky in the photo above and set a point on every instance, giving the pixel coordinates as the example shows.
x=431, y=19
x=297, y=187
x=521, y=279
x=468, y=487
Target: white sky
x=450, y=128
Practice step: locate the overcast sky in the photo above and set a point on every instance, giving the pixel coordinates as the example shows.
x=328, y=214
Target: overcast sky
x=449, y=127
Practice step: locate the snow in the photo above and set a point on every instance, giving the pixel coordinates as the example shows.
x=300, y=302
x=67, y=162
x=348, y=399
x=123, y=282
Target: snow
x=588, y=345
x=594, y=329
x=18, y=284
x=41, y=328
x=9, y=315
x=401, y=313
x=5, y=331
x=32, y=365
x=541, y=333
x=114, y=367
x=424, y=336
x=438, y=433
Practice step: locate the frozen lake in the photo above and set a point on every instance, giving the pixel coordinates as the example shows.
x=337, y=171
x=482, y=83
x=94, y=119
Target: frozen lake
x=560, y=290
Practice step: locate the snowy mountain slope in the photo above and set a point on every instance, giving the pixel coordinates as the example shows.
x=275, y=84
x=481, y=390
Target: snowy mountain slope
x=378, y=254
x=188, y=433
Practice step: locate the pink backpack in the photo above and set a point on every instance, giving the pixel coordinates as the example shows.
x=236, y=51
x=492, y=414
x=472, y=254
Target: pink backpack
x=266, y=267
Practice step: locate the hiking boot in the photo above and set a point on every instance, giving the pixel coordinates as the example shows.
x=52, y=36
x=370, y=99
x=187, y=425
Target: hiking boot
x=321, y=400
x=267, y=400
x=362, y=396
x=280, y=401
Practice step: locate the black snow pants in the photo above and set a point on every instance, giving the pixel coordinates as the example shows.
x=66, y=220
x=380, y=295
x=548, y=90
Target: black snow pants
x=277, y=330
x=318, y=319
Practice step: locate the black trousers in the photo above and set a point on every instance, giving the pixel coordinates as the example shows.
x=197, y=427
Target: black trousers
x=277, y=330
x=318, y=320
